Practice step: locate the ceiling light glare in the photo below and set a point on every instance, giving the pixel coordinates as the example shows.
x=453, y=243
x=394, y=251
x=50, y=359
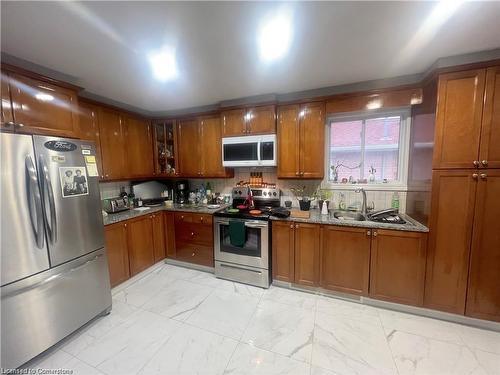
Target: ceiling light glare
x=163, y=64
x=275, y=36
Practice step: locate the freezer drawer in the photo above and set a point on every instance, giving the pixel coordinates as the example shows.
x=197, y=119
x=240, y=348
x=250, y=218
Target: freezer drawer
x=39, y=311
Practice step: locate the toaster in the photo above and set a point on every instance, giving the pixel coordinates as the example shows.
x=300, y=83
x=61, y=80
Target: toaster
x=113, y=205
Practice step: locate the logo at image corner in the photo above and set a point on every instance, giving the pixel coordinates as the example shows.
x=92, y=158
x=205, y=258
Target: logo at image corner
x=63, y=146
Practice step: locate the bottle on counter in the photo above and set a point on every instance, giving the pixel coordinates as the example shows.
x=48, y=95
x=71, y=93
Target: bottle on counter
x=395, y=200
x=131, y=197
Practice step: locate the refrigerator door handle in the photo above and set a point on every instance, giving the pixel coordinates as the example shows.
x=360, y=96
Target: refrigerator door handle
x=34, y=198
x=50, y=278
x=47, y=190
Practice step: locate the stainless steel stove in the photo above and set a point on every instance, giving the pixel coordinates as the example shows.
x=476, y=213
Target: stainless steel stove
x=248, y=260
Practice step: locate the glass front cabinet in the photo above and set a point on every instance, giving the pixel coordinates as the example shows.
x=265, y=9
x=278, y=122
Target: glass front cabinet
x=165, y=148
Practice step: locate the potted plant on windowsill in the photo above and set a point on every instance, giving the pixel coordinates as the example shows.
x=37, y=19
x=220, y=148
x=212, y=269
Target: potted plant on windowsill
x=303, y=198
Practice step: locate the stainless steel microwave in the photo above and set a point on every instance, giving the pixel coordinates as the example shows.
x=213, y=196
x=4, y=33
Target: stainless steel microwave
x=249, y=151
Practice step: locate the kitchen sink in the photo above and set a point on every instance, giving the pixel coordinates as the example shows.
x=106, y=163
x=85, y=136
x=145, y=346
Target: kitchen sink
x=348, y=215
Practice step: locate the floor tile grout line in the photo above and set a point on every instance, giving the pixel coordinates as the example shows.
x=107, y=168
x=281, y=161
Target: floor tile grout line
x=388, y=343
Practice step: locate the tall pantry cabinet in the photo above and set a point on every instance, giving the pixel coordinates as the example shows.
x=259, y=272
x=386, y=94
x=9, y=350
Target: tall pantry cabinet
x=464, y=239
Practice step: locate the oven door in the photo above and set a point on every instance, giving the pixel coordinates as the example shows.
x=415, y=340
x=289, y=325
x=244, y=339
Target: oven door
x=253, y=253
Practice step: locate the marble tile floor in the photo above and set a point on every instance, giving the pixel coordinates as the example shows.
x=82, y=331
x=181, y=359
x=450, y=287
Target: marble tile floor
x=181, y=321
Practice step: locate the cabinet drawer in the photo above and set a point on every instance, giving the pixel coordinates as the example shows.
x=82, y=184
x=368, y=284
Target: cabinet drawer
x=193, y=253
x=202, y=219
x=183, y=217
x=203, y=234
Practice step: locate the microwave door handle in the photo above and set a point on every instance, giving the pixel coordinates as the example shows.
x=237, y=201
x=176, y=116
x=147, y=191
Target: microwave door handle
x=259, y=143
x=47, y=189
x=34, y=197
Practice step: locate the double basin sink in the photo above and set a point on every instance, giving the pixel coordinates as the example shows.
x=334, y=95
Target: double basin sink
x=349, y=215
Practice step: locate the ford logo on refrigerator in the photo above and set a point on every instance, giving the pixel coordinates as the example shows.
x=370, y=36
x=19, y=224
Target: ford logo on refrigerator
x=63, y=146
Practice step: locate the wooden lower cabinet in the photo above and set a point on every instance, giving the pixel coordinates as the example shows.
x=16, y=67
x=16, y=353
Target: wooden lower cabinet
x=283, y=251
x=450, y=236
x=117, y=252
x=345, y=259
x=140, y=241
x=158, y=237
x=307, y=260
x=169, y=228
x=193, y=235
x=483, y=294
x=397, y=271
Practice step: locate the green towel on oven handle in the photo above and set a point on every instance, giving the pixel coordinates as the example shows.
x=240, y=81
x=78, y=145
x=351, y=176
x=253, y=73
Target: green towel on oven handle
x=237, y=233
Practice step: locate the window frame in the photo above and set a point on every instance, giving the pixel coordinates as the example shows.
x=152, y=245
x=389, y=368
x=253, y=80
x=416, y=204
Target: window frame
x=404, y=148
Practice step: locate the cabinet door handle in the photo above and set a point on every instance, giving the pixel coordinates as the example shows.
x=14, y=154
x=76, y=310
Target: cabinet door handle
x=194, y=253
x=476, y=163
x=297, y=174
x=483, y=176
x=368, y=232
x=484, y=162
x=375, y=234
x=192, y=234
x=291, y=226
x=475, y=176
x=296, y=225
x=125, y=225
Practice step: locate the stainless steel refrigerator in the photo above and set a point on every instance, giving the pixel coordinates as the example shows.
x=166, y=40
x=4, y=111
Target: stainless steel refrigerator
x=54, y=267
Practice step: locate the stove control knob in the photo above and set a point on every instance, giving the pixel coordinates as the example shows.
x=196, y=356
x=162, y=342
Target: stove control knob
x=264, y=193
x=239, y=192
x=274, y=193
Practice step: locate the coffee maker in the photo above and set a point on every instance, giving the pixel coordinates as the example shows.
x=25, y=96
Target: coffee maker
x=181, y=192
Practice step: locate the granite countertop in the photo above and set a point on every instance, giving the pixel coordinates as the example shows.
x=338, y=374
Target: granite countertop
x=132, y=213
x=316, y=218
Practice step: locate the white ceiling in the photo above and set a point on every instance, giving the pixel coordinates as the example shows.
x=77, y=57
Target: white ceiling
x=105, y=44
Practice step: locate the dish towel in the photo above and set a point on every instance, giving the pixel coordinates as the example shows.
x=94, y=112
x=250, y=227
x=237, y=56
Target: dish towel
x=237, y=233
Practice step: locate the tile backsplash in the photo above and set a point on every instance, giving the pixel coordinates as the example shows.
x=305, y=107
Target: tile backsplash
x=380, y=199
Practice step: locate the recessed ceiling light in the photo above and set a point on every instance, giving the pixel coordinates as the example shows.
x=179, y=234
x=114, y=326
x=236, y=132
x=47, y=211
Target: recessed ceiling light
x=275, y=36
x=163, y=64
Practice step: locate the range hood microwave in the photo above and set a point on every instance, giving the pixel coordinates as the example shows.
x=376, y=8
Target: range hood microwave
x=249, y=151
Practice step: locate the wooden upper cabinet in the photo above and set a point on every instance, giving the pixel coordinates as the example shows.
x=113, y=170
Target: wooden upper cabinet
x=233, y=122
x=345, y=259
x=458, y=119
x=117, y=252
x=312, y=141
x=483, y=297
x=450, y=232
x=140, y=244
x=247, y=121
x=89, y=129
x=489, y=153
x=283, y=250
x=397, y=271
x=211, y=147
x=188, y=140
x=307, y=257
x=261, y=120
x=288, y=141
x=113, y=144
x=43, y=108
x=301, y=139
x=165, y=148
x=139, y=146
x=158, y=236
x=7, y=117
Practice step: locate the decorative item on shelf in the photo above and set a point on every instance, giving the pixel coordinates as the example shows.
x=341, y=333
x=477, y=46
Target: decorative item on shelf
x=372, y=172
x=335, y=171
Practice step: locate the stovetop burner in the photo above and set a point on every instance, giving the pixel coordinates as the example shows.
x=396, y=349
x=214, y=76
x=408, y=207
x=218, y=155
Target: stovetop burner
x=264, y=200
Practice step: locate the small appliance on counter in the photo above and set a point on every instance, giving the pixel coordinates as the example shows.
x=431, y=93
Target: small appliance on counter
x=182, y=192
x=114, y=205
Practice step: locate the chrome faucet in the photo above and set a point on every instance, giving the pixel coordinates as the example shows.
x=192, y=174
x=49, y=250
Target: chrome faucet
x=363, y=206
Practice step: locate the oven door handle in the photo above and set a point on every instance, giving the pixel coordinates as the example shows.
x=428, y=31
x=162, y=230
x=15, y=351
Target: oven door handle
x=252, y=224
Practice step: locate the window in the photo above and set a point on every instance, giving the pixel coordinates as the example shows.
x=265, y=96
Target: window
x=368, y=148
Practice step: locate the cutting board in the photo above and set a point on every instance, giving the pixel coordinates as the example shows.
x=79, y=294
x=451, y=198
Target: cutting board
x=300, y=214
